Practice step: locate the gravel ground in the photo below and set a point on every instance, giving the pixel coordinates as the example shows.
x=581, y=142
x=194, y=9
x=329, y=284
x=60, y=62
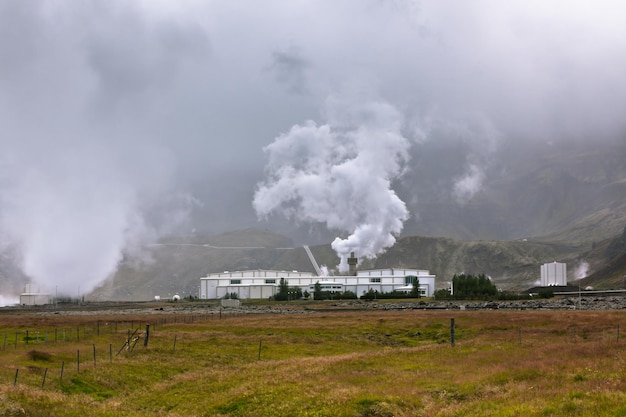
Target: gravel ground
x=121, y=309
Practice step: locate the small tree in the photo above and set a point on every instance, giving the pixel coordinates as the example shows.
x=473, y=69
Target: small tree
x=283, y=290
x=317, y=291
x=415, y=291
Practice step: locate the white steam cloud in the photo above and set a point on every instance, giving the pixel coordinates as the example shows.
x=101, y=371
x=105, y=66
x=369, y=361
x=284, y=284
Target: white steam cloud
x=482, y=139
x=72, y=217
x=340, y=173
x=582, y=270
x=466, y=186
x=86, y=164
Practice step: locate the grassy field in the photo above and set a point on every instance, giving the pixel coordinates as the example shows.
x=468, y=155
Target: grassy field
x=331, y=363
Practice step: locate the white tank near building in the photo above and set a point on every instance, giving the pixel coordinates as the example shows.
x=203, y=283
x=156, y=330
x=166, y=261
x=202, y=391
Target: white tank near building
x=553, y=274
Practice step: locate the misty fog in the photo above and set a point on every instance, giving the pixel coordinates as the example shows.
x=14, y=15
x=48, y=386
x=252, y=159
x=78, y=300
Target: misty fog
x=123, y=122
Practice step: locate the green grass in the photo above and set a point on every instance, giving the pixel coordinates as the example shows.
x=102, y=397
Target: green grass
x=385, y=363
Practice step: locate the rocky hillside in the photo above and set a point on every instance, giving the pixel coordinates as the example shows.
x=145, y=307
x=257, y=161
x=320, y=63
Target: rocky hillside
x=177, y=266
x=575, y=195
x=609, y=261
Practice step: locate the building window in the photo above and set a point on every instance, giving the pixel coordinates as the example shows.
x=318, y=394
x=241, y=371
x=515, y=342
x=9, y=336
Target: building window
x=374, y=279
x=235, y=281
x=270, y=281
x=408, y=280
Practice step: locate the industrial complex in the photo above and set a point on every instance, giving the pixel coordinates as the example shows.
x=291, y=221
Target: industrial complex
x=259, y=284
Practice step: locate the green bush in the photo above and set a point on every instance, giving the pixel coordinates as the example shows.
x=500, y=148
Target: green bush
x=37, y=355
x=546, y=293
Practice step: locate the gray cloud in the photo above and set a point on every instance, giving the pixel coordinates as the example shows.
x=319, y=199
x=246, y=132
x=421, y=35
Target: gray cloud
x=289, y=69
x=108, y=108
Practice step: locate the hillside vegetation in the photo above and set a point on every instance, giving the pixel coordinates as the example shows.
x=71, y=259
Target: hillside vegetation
x=177, y=267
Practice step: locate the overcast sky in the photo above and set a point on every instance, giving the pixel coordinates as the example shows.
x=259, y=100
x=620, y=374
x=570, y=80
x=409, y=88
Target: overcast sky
x=113, y=113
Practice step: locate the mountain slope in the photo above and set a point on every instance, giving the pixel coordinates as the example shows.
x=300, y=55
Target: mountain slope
x=573, y=195
x=177, y=267
x=609, y=258
x=510, y=264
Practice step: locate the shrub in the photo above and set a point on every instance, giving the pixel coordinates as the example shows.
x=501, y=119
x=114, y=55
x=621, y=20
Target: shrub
x=443, y=294
x=38, y=355
x=546, y=293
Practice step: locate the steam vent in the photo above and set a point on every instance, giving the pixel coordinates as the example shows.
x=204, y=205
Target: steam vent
x=352, y=261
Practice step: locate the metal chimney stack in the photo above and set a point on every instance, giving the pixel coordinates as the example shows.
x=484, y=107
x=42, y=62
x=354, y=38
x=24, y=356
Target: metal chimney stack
x=352, y=262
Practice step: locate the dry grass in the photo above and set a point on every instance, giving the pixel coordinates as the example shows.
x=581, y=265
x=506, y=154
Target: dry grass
x=384, y=363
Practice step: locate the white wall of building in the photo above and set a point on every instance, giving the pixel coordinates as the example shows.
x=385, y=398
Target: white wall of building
x=35, y=299
x=262, y=284
x=553, y=274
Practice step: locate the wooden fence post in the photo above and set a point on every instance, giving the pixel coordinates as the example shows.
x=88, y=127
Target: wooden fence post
x=452, y=332
x=145, y=340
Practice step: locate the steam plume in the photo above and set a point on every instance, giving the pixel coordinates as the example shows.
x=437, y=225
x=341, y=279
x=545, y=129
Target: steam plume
x=340, y=173
x=85, y=162
x=582, y=270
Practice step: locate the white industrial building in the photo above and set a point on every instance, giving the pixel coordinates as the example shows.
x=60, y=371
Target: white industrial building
x=553, y=274
x=34, y=298
x=259, y=284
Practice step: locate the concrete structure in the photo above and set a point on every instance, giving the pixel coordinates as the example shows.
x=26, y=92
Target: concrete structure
x=228, y=302
x=35, y=299
x=553, y=274
x=32, y=297
x=259, y=284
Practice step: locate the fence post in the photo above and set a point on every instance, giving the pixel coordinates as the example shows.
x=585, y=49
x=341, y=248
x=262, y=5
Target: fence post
x=145, y=340
x=452, y=332
x=43, y=382
x=260, y=343
x=15, y=380
x=94, y=355
x=78, y=361
x=62, y=369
